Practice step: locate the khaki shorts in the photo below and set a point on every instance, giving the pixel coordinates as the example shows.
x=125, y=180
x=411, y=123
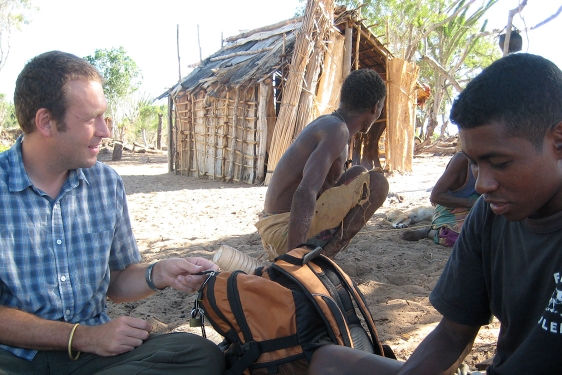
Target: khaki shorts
x=331, y=208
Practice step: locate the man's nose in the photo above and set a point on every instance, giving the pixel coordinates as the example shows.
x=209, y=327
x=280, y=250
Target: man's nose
x=101, y=128
x=485, y=181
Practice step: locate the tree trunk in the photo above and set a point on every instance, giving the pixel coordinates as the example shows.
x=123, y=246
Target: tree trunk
x=143, y=132
x=117, y=151
x=159, y=132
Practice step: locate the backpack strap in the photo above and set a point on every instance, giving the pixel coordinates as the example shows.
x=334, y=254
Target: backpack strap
x=301, y=255
x=252, y=350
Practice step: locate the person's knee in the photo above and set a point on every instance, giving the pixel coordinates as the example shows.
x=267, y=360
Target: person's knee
x=323, y=360
x=379, y=184
x=353, y=172
x=199, y=354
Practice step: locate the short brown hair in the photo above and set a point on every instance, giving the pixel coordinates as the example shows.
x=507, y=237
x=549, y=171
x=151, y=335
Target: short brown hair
x=41, y=84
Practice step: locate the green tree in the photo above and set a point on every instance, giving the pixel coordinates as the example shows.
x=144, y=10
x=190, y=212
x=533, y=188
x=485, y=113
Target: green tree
x=122, y=80
x=447, y=38
x=13, y=15
x=7, y=114
x=144, y=118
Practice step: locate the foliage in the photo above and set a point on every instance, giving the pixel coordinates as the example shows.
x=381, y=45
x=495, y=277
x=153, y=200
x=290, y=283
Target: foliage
x=13, y=14
x=122, y=76
x=446, y=38
x=122, y=80
x=7, y=114
x=142, y=118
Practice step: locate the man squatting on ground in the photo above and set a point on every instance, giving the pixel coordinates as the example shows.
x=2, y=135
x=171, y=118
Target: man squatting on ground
x=312, y=197
x=507, y=261
x=66, y=243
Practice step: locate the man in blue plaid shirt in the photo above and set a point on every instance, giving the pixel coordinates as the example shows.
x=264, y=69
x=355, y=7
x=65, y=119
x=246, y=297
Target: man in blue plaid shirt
x=66, y=242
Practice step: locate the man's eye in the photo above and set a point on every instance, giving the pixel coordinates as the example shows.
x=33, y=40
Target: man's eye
x=499, y=165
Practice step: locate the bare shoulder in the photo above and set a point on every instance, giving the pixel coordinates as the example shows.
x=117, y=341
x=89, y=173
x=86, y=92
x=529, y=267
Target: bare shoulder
x=325, y=129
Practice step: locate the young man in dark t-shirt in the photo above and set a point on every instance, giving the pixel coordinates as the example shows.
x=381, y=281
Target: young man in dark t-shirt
x=507, y=261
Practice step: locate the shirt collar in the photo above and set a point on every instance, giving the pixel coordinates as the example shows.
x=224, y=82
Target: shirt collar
x=19, y=180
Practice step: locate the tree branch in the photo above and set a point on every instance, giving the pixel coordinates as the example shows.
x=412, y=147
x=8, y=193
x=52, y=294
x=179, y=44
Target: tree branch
x=435, y=26
x=548, y=19
x=512, y=13
x=441, y=69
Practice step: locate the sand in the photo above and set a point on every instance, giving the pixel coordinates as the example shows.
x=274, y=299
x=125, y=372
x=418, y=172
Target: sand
x=178, y=216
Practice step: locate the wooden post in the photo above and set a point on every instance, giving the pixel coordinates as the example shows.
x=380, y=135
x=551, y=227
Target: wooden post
x=117, y=151
x=159, y=132
x=357, y=45
x=170, y=134
x=347, y=51
x=178, y=49
x=262, y=127
x=231, y=167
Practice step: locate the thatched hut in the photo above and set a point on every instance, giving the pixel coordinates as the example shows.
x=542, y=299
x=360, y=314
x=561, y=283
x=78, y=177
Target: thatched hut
x=235, y=114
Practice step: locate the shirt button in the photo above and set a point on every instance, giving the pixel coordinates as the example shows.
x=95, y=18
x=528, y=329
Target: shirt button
x=67, y=312
x=63, y=278
x=59, y=242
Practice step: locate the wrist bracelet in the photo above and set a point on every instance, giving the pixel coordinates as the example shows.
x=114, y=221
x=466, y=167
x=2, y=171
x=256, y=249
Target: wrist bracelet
x=148, y=278
x=70, y=344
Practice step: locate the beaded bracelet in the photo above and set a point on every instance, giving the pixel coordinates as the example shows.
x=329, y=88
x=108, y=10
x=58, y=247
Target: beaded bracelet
x=70, y=343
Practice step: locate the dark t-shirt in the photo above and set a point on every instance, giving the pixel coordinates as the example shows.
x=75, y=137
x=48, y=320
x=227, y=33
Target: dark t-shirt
x=513, y=271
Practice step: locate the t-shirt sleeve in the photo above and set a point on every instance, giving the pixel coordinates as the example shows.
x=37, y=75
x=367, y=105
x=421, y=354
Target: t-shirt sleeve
x=461, y=294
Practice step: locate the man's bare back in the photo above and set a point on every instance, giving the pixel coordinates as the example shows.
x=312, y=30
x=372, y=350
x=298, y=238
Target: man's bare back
x=314, y=163
x=307, y=150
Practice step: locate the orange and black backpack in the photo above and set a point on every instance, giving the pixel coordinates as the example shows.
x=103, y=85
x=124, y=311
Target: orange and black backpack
x=274, y=320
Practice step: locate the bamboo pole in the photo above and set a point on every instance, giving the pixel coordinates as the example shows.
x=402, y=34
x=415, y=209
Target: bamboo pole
x=195, y=153
x=243, y=135
x=304, y=44
x=262, y=127
x=225, y=134
x=357, y=46
x=347, y=50
x=206, y=121
x=187, y=154
x=304, y=112
x=234, y=131
x=170, y=134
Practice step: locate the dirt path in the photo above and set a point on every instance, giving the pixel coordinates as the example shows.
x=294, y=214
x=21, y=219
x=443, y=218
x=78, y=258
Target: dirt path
x=177, y=215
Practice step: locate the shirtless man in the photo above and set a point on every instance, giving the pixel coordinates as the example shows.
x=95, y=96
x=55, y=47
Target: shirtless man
x=312, y=197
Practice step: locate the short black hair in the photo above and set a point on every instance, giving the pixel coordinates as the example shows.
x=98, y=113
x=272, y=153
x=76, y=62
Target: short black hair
x=41, y=84
x=521, y=91
x=361, y=91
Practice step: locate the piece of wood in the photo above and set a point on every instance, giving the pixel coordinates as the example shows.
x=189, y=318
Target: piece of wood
x=117, y=151
x=264, y=89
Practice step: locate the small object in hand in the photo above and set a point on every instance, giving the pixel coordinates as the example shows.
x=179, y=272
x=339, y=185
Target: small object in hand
x=204, y=272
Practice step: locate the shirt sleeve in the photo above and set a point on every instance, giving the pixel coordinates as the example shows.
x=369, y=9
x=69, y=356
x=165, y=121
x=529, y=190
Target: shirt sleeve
x=124, y=249
x=461, y=293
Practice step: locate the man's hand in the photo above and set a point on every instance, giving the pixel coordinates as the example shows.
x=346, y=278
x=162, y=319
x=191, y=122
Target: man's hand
x=118, y=336
x=179, y=273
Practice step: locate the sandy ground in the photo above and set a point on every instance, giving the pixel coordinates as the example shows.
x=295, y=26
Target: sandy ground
x=177, y=216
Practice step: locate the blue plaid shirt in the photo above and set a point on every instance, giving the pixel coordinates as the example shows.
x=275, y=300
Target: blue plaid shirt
x=56, y=254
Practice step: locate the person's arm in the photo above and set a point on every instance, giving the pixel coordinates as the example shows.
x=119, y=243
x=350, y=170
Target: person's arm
x=443, y=350
x=315, y=172
x=24, y=330
x=439, y=194
x=130, y=284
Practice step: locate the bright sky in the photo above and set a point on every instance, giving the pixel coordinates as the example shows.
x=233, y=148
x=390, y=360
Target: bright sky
x=147, y=30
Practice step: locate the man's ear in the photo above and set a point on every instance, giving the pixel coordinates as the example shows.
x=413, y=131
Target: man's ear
x=556, y=133
x=43, y=122
x=377, y=108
